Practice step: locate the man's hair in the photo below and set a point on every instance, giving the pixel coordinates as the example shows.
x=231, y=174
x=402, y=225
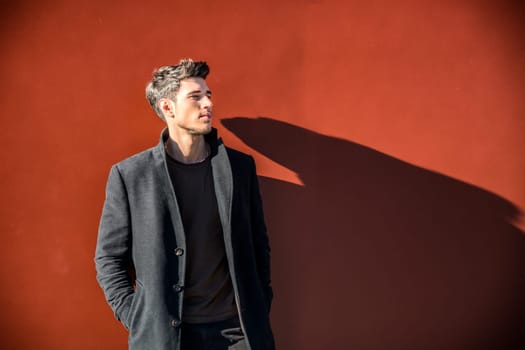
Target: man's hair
x=165, y=82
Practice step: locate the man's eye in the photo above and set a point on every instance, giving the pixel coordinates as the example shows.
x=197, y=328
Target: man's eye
x=194, y=97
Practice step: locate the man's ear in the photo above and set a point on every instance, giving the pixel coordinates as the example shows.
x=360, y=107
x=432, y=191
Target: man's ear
x=166, y=107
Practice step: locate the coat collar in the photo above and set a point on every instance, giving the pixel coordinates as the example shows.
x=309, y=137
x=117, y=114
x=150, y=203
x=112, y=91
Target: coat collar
x=211, y=138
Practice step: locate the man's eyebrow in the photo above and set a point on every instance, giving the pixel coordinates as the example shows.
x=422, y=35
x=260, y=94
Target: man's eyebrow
x=208, y=92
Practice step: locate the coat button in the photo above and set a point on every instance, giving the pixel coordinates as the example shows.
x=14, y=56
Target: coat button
x=179, y=251
x=178, y=288
x=175, y=323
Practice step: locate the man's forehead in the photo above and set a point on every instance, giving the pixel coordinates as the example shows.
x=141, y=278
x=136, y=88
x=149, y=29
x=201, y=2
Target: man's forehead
x=191, y=84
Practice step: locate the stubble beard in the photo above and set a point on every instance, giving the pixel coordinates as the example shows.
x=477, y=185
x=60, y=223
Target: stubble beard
x=198, y=132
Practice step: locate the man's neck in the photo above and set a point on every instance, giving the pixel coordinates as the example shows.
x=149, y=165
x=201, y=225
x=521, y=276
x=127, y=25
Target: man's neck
x=187, y=148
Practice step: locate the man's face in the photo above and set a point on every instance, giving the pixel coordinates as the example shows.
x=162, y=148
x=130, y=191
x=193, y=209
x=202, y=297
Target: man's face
x=192, y=107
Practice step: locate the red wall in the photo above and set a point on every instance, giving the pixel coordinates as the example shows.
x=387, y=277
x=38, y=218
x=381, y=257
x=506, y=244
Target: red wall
x=391, y=151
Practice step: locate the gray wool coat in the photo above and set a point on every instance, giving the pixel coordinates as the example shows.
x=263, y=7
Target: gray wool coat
x=140, y=255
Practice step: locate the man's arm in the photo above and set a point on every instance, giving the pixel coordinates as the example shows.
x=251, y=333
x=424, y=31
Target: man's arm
x=260, y=238
x=113, y=252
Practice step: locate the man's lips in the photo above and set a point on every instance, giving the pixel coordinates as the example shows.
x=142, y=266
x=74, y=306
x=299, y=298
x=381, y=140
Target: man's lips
x=205, y=115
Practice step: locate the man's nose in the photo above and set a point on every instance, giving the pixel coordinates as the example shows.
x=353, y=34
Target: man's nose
x=206, y=102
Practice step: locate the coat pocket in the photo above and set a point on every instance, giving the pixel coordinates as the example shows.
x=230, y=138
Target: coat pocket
x=135, y=302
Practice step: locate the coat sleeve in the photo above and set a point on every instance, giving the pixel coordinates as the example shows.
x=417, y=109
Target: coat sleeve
x=260, y=238
x=113, y=251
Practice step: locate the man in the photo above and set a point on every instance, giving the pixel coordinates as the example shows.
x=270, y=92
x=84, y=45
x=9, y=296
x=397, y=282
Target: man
x=182, y=252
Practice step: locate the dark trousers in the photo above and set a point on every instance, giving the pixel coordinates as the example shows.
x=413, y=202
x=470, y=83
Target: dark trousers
x=221, y=335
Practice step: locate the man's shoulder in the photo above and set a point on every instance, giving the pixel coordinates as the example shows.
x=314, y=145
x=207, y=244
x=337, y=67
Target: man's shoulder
x=237, y=155
x=242, y=164
x=138, y=160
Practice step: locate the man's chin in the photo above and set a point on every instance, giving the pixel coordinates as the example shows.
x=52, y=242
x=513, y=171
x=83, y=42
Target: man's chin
x=200, y=131
x=208, y=130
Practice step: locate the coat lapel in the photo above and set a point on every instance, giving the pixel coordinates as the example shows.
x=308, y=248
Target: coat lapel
x=223, y=183
x=168, y=193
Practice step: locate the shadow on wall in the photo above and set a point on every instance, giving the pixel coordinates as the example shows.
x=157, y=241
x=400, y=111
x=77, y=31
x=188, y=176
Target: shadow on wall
x=375, y=253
